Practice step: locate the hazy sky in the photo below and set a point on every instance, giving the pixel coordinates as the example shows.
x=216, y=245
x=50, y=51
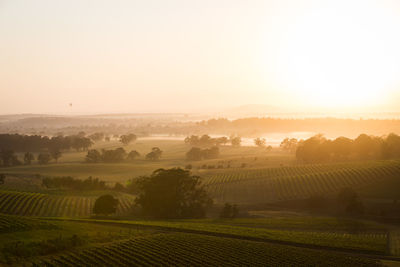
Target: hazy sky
x=182, y=55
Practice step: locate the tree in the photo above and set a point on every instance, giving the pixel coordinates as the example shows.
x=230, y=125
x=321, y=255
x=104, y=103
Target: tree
x=260, y=142
x=236, y=141
x=349, y=200
x=133, y=155
x=194, y=153
x=93, y=156
x=43, y=158
x=155, y=154
x=105, y=204
x=221, y=140
x=28, y=157
x=127, y=138
x=2, y=178
x=289, y=145
x=229, y=211
x=116, y=155
x=55, y=154
x=96, y=137
x=8, y=158
x=119, y=187
x=172, y=193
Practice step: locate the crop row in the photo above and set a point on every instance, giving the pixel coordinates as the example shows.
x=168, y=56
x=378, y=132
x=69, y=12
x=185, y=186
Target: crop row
x=10, y=223
x=296, y=170
x=197, y=250
x=299, y=186
x=46, y=205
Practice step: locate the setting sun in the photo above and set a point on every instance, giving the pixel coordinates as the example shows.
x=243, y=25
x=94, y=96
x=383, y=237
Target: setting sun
x=339, y=54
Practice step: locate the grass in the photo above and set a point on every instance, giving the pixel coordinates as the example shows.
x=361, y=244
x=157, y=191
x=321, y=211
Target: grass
x=72, y=162
x=17, y=245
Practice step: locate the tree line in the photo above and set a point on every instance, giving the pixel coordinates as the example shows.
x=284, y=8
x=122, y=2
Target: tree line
x=206, y=141
x=320, y=149
x=37, y=143
x=119, y=155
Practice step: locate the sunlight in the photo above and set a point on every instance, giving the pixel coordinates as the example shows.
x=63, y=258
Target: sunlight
x=334, y=57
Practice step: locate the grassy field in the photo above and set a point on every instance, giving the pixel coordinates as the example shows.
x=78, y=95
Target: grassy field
x=72, y=163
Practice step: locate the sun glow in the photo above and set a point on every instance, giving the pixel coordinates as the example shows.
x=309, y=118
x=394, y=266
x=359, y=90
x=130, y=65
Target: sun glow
x=341, y=55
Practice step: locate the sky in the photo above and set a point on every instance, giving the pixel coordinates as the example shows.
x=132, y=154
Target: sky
x=72, y=57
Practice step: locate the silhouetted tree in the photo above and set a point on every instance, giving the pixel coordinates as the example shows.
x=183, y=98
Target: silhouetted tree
x=43, y=158
x=55, y=154
x=116, y=155
x=127, y=138
x=8, y=158
x=105, y=205
x=96, y=137
x=93, y=156
x=229, y=211
x=172, y=193
x=155, y=154
x=133, y=155
x=236, y=141
x=28, y=158
x=194, y=153
x=289, y=145
x=260, y=142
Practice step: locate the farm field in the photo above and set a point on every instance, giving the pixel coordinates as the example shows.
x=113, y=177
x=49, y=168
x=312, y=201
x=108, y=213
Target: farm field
x=298, y=182
x=253, y=176
x=72, y=163
x=106, y=242
x=61, y=205
x=372, y=241
x=196, y=250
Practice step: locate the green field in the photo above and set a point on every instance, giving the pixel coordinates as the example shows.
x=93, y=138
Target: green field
x=61, y=205
x=72, y=163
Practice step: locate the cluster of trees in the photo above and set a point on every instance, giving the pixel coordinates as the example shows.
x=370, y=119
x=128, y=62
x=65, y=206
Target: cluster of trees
x=119, y=155
x=320, y=149
x=262, y=143
x=196, y=153
x=97, y=137
x=9, y=158
x=126, y=139
x=154, y=154
x=69, y=182
x=37, y=143
x=289, y=145
x=207, y=141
